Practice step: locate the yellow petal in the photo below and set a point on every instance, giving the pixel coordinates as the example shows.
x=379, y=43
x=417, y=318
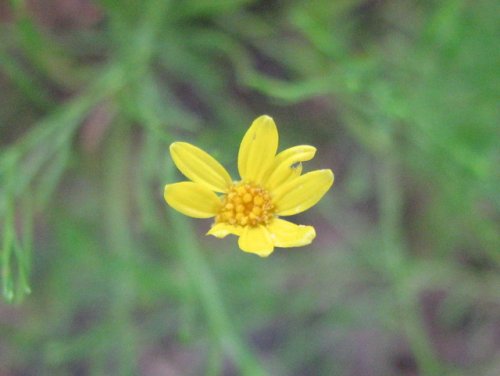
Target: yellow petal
x=256, y=240
x=283, y=168
x=221, y=230
x=258, y=149
x=200, y=167
x=298, y=195
x=288, y=234
x=192, y=199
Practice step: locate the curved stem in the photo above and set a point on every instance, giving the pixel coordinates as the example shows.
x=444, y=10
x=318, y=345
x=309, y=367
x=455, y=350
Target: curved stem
x=390, y=198
x=120, y=244
x=208, y=293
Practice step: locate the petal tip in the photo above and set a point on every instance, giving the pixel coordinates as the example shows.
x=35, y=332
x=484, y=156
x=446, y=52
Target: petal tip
x=221, y=230
x=265, y=121
x=178, y=144
x=329, y=173
x=310, y=235
x=173, y=145
x=312, y=151
x=264, y=255
x=214, y=233
x=165, y=191
x=265, y=118
x=217, y=232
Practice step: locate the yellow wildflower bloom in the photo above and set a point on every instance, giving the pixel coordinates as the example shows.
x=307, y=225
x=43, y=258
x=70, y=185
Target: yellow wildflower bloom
x=271, y=186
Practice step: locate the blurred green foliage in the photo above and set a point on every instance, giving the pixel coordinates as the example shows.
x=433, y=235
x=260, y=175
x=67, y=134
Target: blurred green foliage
x=401, y=99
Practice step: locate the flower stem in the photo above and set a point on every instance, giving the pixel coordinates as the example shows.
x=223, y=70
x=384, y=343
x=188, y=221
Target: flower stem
x=120, y=244
x=390, y=198
x=206, y=288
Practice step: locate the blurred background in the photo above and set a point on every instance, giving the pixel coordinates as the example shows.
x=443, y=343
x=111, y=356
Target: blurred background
x=100, y=277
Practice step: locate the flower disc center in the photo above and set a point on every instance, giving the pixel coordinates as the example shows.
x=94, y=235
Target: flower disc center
x=246, y=204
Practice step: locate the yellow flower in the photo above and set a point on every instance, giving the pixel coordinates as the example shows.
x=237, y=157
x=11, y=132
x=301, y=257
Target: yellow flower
x=271, y=186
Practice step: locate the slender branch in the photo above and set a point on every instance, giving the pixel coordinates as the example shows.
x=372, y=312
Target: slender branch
x=208, y=293
x=120, y=244
x=390, y=198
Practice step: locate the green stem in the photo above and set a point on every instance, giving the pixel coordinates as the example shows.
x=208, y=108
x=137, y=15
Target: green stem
x=120, y=243
x=206, y=288
x=391, y=207
x=7, y=247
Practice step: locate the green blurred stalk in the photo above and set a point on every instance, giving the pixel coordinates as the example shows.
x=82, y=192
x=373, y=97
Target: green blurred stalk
x=15, y=250
x=55, y=133
x=205, y=286
x=29, y=85
x=120, y=243
x=398, y=266
x=7, y=248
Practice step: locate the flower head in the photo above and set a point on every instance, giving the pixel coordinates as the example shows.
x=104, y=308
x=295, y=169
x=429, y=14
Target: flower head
x=271, y=186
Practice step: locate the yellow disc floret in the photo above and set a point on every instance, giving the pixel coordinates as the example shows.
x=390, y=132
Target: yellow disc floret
x=246, y=204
